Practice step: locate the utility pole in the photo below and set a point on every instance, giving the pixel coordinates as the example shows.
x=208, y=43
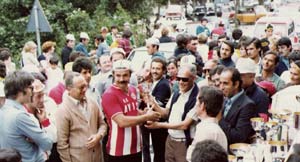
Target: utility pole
x=237, y=4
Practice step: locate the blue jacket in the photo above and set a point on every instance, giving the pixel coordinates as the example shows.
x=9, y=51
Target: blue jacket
x=17, y=127
x=81, y=48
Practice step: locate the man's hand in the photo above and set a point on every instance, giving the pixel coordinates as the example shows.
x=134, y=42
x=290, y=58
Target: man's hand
x=152, y=115
x=93, y=140
x=152, y=125
x=41, y=114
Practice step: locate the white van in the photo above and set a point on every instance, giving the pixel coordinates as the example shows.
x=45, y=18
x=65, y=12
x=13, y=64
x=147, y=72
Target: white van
x=282, y=26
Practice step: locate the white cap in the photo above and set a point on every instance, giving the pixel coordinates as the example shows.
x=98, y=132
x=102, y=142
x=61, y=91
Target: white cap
x=153, y=41
x=2, y=94
x=187, y=60
x=38, y=86
x=70, y=37
x=246, y=65
x=126, y=24
x=117, y=50
x=122, y=65
x=84, y=35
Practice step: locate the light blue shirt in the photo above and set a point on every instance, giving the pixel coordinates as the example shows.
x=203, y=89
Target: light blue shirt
x=229, y=101
x=18, y=130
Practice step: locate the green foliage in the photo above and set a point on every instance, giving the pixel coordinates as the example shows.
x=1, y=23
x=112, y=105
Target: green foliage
x=72, y=16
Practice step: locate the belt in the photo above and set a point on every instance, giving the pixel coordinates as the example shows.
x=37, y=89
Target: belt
x=177, y=139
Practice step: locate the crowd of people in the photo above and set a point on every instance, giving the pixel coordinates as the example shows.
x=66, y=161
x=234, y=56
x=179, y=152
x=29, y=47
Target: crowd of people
x=89, y=105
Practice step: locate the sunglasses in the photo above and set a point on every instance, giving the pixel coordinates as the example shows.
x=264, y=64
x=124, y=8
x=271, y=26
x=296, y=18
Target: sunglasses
x=182, y=79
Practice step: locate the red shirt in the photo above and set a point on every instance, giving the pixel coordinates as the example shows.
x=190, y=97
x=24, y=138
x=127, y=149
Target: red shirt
x=121, y=141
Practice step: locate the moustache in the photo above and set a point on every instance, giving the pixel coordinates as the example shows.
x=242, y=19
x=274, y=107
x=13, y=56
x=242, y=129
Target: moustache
x=123, y=82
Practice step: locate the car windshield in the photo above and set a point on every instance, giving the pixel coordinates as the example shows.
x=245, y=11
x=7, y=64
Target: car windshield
x=278, y=29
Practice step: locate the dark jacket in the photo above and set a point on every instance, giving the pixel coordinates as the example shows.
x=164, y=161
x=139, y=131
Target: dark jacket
x=280, y=67
x=65, y=54
x=165, y=39
x=259, y=97
x=162, y=92
x=236, y=125
x=227, y=62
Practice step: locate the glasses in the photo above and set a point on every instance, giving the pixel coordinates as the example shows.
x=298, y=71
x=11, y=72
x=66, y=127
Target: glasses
x=182, y=79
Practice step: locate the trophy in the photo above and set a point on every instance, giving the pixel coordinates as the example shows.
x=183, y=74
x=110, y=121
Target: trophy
x=257, y=125
x=240, y=150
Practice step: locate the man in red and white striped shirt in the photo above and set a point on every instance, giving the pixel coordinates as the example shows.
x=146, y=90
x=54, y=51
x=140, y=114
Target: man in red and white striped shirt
x=119, y=104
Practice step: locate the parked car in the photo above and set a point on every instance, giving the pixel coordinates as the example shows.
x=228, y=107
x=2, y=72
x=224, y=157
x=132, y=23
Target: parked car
x=249, y=14
x=174, y=12
x=140, y=55
x=210, y=9
x=199, y=12
x=282, y=26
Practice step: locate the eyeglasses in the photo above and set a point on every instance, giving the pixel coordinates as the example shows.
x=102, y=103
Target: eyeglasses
x=182, y=79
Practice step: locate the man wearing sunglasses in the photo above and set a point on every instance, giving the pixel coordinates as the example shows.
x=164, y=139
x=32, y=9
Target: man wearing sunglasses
x=180, y=115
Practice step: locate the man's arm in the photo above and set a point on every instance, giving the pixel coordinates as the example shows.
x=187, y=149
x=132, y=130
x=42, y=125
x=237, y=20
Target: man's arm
x=63, y=127
x=32, y=130
x=183, y=125
x=128, y=121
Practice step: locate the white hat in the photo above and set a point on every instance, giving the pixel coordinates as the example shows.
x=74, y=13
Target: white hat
x=117, y=50
x=84, y=35
x=70, y=37
x=187, y=60
x=153, y=41
x=126, y=24
x=246, y=65
x=38, y=86
x=122, y=65
x=2, y=94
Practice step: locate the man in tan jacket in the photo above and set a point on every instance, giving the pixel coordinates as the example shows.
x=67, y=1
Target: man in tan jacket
x=80, y=127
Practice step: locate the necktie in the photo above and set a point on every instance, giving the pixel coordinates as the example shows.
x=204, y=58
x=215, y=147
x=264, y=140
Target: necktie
x=227, y=107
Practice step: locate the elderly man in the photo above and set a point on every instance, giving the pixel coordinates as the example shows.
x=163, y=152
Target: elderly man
x=80, y=127
x=19, y=129
x=120, y=106
x=180, y=104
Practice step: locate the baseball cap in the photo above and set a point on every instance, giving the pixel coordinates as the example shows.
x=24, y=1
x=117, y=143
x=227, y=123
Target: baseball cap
x=38, y=86
x=187, y=60
x=84, y=35
x=153, y=41
x=246, y=65
x=117, y=50
x=122, y=65
x=70, y=37
x=269, y=86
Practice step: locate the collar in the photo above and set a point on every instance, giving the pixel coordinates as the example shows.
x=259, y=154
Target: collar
x=75, y=101
x=208, y=120
x=236, y=96
x=186, y=94
x=14, y=103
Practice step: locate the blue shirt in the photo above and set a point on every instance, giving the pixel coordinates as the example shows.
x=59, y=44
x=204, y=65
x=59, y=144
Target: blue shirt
x=81, y=48
x=16, y=127
x=230, y=101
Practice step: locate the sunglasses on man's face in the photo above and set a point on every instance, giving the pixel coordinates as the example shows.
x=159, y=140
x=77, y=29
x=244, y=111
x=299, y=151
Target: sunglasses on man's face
x=182, y=79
